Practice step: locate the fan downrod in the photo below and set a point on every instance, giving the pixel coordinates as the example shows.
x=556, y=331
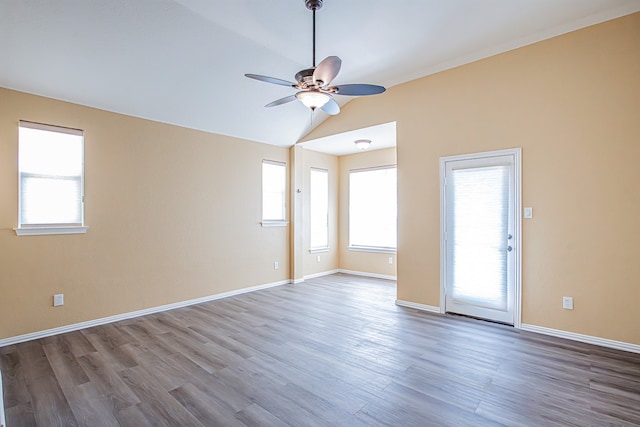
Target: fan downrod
x=313, y=4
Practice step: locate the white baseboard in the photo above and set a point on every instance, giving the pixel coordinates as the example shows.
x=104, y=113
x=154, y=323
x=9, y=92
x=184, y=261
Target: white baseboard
x=296, y=281
x=421, y=307
x=364, y=273
x=604, y=342
x=588, y=339
x=129, y=315
x=321, y=274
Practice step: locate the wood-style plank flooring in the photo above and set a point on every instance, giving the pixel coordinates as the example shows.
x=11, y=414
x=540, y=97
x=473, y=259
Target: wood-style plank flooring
x=333, y=351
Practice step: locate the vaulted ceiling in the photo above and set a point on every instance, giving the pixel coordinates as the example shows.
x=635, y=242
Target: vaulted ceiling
x=183, y=61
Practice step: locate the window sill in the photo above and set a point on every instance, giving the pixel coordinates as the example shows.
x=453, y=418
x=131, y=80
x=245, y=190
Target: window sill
x=270, y=223
x=318, y=250
x=372, y=249
x=42, y=231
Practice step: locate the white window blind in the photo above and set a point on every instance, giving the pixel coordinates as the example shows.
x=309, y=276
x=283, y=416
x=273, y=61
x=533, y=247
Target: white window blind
x=50, y=175
x=373, y=208
x=478, y=230
x=274, y=183
x=319, y=208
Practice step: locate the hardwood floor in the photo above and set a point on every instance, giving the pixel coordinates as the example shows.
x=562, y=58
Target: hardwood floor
x=331, y=351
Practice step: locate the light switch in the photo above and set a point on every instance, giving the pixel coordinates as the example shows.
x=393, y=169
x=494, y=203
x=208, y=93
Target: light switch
x=528, y=213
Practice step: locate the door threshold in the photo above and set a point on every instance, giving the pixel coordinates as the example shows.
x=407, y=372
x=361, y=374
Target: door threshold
x=449, y=313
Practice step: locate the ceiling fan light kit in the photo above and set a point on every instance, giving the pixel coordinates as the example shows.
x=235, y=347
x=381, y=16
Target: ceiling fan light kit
x=313, y=83
x=313, y=99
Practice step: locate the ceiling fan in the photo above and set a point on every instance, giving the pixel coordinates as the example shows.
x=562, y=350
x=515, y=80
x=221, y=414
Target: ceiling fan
x=313, y=83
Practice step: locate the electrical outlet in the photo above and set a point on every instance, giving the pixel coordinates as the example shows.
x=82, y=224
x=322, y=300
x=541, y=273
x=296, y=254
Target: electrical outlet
x=275, y=265
x=318, y=258
x=390, y=260
x=567, y=303
x=58, y=300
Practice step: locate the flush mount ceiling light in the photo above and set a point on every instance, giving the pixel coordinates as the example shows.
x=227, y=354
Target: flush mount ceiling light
x=313, y=83
x=362, y=144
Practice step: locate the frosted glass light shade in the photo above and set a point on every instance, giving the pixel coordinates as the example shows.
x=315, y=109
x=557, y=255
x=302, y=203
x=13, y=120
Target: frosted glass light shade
x=313, y=99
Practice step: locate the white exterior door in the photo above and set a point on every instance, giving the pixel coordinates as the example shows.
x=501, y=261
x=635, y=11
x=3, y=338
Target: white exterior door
x=480, y=234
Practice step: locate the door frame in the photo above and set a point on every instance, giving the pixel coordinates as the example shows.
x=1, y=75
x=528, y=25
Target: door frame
x=517, y=219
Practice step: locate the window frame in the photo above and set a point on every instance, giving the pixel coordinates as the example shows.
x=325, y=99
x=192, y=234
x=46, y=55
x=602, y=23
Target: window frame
x=323, y=248
x=25, y=229
x=272, y=222
x=371, y=248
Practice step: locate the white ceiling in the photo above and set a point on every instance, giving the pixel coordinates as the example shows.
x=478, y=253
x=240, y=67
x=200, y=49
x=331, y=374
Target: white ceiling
x=183, y=61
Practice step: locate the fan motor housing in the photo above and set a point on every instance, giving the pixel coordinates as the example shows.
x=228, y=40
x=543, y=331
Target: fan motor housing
x=305, y=79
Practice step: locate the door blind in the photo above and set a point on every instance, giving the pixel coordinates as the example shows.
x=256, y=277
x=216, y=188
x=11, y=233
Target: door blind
x=477, y=233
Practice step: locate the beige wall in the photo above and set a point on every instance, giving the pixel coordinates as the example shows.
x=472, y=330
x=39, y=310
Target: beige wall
x=173, y=214
x=573, y=104
x=368, y=262
x=328, y=260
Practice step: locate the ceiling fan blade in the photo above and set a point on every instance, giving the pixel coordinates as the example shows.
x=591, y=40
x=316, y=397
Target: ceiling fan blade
x=327, y=70
x=281, y=101
x=357, y=89
x=331, y=107
x=270, y=80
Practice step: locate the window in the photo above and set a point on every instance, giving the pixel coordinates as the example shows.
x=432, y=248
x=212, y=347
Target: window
x=274, y=184
x=373, y=209
x=319, y=209
x=50, y=168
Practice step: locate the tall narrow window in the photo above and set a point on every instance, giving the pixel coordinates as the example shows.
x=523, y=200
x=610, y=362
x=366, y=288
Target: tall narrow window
x=51, y=171
x=274, y=184
x=373, y=209
x=319, y=208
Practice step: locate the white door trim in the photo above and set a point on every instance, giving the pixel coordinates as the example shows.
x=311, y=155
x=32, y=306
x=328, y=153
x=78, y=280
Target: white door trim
x=517, y=164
